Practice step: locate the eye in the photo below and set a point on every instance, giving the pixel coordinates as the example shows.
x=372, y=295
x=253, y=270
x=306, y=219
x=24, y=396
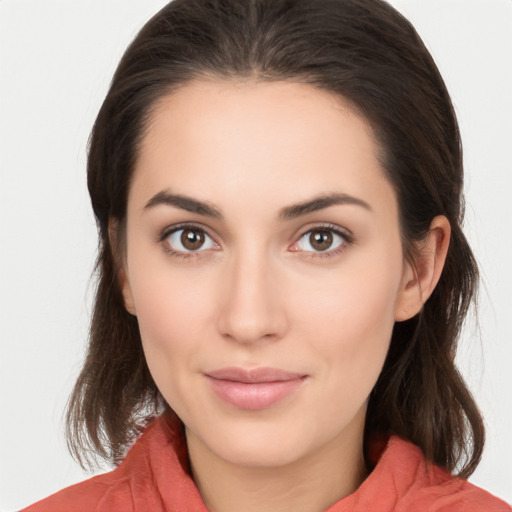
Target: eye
x=322, y=240
x=188, y=239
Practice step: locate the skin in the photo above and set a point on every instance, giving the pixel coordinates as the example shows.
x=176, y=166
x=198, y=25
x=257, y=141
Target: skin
x=259, y=293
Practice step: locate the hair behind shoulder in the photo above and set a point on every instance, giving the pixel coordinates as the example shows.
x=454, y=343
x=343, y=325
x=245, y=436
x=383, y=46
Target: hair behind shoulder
x=366, y=52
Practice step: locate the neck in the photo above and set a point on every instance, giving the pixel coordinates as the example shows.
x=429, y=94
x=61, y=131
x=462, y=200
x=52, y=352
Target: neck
x=310, y=484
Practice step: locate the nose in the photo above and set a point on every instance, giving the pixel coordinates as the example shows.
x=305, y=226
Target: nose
x=251, y=305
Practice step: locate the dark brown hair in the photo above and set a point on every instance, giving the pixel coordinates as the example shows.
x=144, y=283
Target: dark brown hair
x=366, y=52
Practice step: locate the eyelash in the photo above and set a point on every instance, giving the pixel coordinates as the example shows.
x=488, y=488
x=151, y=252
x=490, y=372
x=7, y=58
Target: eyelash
x=347, y=240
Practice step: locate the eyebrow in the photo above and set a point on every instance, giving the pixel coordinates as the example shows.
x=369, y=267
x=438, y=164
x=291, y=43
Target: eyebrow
x=319, y=203
x=185, y=203
x=287, y=213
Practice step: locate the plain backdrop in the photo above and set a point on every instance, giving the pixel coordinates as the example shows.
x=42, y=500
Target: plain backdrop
x=56, y=61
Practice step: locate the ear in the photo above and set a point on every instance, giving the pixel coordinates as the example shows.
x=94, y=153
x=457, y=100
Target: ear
x=120, y=265
x=422, y=275
x=124, y=284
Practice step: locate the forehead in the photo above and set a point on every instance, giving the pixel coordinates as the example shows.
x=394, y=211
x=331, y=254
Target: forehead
x=247, y=140
x=290, y=112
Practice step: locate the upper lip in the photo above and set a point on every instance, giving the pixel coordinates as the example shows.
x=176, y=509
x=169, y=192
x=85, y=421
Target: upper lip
x=253, y=375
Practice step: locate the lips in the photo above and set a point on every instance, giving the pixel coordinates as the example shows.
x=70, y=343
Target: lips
x=253, y=389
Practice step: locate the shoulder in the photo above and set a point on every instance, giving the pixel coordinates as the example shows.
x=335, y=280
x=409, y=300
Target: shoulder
x=123, y=488
x=413, y=483
x=87, y=495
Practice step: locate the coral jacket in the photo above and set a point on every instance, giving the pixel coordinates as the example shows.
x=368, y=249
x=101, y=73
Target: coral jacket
x=155, y=477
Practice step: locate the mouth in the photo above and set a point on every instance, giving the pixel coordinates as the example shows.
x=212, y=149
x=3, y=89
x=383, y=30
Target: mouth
x=254, y=389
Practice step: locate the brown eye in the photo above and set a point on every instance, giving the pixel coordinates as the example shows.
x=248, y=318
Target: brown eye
x=189, y=239
x=192, y=239
x=321, y=240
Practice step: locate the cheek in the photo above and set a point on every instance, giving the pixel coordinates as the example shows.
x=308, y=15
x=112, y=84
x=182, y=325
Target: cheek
x=351, y=317
x=170, y=309
x=339, y=320
x=174, y=307
x=168, y=316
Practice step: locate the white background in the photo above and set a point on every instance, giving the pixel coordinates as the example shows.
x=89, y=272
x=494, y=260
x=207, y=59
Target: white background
x=56, y=60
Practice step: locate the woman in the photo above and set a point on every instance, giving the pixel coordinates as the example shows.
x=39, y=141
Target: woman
x=283, y=275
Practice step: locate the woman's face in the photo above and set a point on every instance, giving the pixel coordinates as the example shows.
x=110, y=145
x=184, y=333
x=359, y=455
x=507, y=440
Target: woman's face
x=263, y=261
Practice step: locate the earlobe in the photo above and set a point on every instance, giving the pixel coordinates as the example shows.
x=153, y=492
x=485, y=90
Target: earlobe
x=127, y=292
x=119, y=265
x=422, y=275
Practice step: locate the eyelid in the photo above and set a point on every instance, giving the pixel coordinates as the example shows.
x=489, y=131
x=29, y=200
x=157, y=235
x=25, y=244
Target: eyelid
x=168, y=231
x=183, y=225
x=345, y=233
x=326, y=226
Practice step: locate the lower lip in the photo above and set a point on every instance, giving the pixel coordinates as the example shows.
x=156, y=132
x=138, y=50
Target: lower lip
x=255, y=395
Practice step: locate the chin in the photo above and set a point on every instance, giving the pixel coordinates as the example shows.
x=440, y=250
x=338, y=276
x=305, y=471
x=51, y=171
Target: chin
x=262, y=442
x=266, y=453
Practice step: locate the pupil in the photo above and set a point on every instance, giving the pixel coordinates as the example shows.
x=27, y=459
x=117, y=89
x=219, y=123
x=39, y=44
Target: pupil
x=192, y=239
x=321, y=240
